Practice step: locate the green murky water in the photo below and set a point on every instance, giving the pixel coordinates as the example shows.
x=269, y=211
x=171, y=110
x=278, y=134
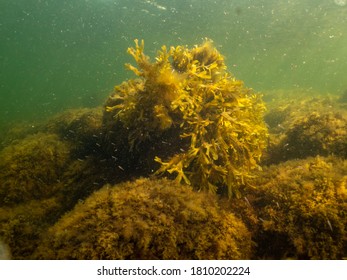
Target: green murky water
x=64, y=54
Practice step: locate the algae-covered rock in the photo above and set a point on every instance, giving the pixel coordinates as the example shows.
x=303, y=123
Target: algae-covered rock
x=306, y=126
x=302, y=209
x=14, y=131
x=31, y=167
x=147, y=219
x=187, y=116
x=5, y=252
x=82, y=177
x=81, y=127
x=21, y=226
x=316, y=134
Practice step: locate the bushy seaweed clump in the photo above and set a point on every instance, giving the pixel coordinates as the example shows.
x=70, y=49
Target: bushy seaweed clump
x=147, y=219
x=189, y=114
x=302, y=209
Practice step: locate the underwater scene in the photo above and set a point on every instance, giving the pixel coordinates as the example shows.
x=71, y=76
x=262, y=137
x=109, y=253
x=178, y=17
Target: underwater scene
x=162, y=130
